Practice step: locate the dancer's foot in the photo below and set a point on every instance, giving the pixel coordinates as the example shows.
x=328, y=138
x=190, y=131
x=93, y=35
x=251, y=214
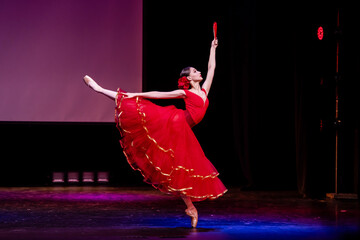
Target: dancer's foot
x=91, y=83
x=192, y=212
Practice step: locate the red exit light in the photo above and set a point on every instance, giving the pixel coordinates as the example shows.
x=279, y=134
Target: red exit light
x=320, y=33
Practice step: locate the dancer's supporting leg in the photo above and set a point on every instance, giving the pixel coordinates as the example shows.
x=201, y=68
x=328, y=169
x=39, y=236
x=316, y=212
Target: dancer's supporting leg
x=91, y=83
x=191, y=210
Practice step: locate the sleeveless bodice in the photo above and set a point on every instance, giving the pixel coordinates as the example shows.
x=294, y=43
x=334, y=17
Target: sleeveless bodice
x=196, y=106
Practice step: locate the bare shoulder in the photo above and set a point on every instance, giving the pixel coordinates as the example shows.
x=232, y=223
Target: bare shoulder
x=206, y=89
x=180, y=92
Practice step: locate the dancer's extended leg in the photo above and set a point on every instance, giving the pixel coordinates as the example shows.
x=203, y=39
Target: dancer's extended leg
x=191, y=210
x=91, y=83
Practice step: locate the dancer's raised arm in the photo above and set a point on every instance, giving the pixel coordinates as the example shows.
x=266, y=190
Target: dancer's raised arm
x=211, y=66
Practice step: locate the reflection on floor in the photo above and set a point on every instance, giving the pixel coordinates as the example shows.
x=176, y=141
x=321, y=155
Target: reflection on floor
x=95, y=213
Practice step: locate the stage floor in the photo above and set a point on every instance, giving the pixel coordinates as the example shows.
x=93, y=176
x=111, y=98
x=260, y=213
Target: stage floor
x=94, y=213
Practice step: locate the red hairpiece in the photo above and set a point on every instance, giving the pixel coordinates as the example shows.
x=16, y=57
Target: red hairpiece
x=183, y=83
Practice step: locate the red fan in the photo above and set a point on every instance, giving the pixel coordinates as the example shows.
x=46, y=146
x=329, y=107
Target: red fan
x=215, y=29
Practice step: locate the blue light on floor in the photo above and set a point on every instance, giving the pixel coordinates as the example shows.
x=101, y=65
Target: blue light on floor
x=213, y=228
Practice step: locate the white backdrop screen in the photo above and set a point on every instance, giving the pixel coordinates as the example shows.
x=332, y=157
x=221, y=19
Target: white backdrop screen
x=47, y=46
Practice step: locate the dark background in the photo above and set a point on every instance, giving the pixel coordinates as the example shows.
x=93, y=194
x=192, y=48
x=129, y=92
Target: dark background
x=273, y=84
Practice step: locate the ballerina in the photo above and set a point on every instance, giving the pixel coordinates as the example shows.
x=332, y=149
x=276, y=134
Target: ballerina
x=158, y=141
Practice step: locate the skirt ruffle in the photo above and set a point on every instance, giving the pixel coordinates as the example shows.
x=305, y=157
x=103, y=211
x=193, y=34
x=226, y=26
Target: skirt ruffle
x=158, y=142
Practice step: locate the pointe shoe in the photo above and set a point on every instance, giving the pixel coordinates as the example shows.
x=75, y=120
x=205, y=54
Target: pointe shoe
x=194, y=216
x=91, y=83
x=87, y=80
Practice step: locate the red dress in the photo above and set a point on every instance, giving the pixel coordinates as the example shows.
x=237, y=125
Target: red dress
x=158, y=141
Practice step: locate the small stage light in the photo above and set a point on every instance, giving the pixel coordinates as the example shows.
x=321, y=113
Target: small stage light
x=73, y=177
x=102, y=177
x=58, y=177
x=88, y=177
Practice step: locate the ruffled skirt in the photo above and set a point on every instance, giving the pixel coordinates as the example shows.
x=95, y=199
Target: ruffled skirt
x=158, y=142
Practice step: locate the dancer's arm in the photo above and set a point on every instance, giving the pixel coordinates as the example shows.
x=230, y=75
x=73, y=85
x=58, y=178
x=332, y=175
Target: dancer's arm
x=154, y=94
x=159, y=95
x=211, y=66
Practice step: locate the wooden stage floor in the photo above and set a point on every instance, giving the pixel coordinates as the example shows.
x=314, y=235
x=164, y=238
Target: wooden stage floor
x=107, y=213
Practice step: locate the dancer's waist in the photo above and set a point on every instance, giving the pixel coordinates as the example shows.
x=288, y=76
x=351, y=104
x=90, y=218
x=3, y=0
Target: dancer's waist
x=189, y=119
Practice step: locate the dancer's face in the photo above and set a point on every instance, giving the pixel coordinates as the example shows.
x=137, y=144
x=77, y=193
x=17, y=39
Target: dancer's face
x=195, y=75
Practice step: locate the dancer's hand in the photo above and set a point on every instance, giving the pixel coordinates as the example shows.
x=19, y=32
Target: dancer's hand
x=215, y=43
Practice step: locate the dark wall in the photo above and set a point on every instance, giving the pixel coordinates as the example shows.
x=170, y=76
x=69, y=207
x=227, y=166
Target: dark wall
x=30, y=152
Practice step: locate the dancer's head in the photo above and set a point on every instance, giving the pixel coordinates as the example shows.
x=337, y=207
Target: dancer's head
x=188, y=75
